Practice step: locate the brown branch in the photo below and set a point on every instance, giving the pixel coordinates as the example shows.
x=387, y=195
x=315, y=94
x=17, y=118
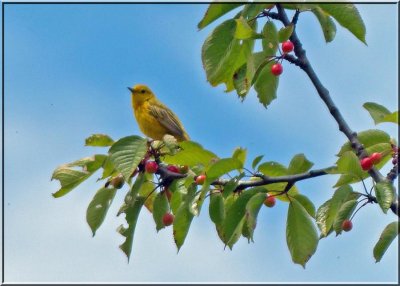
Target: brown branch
x=266, y=180
x=303, y=62
x=168, y=176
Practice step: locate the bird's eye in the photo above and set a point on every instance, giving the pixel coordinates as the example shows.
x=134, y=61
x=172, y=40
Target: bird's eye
x=142, y=91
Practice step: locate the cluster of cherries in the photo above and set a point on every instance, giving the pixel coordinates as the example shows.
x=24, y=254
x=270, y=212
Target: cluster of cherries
x=367, y=162
x=394, y=171
x=287, y=47
x=151, y=167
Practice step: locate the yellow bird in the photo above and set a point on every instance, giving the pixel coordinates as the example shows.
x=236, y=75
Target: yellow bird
x=154, y=118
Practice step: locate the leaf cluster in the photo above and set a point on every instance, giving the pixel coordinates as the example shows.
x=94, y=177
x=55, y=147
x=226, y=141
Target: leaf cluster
x=231, y=55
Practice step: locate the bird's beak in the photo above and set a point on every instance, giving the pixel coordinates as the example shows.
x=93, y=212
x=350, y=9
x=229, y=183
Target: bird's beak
x=130, y=89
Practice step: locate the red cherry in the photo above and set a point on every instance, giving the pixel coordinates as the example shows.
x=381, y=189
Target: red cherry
x=270, y=201
x=287, y=47
x=276, y=69
x=173, y=169
x=168, y=219
x=366, y=163
x=376, y=158
x=347, y=225
x=200, y=179
x=151, y=167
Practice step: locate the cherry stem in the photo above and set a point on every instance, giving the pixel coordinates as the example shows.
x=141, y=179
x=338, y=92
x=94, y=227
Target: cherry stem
x=367, y=202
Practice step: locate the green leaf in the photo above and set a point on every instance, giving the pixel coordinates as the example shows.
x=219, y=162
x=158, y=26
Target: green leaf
x=347, y=16
x=252, y=209
x=240, y=154
x=221, y=53
x=256, y=161
x=176, y=200
x=200, y=197
x=131, y=207
x=327, y=212
x=231, y=185
x=69, y=179
x=243, y=73
x=127, y=153
x=99, y=140
x=388, y=235
x=229, y=200
x=301, y=234
x=108, y=169
x=272, y=169
x=347, y=179
x=179, y=190
x=349, y=163
x=240, y=76
x=266, y=84
x=285, y=33
x=322, y=217
x=327, y=24
x=160, y=207
x=270, y=42
x=215, y=11
x=384, y=148
x=191, y=154
x=385, y=193
x=306, y=203
x=241, y=81
x=147, y=190
x=98, y=207
x=368, y=138
x=252, y=10
x=380, y=114
x=259, y=65
x=90, y=164
x=299, y=164
x=131, y=215
x=216, y=208
x=392, y=117
x=344, y=213
x=130, y=197
x=255, y=63
x=235, y=214
x=183, y=218
x=222, y=167
x=243, y=30
x=236, y=234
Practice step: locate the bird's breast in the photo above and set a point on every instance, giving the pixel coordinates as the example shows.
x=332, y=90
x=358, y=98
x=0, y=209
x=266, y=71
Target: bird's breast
x=148, y=124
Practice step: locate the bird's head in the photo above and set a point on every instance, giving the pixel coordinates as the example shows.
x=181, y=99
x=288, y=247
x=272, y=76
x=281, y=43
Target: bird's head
x=140, y=93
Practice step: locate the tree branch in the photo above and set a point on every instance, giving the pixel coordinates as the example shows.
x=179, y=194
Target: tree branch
x=168, y=176
x=266, y=180
x=303, y=62
x=323, y=93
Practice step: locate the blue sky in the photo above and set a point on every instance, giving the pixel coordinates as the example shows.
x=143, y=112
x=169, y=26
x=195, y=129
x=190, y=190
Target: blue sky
x=66, y=72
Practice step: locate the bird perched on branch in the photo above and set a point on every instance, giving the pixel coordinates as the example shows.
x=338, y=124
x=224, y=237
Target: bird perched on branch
x=154, y=118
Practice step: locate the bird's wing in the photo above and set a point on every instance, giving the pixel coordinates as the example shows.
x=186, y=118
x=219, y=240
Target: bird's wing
x=167, y=119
